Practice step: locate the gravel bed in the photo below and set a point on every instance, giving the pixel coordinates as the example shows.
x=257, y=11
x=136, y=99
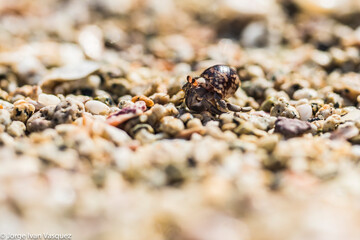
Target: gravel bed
x=169, y=120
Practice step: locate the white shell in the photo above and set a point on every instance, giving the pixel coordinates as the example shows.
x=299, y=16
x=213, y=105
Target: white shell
x=96, y=107
x=48, y=99
x=305, y=111
x=68, y=73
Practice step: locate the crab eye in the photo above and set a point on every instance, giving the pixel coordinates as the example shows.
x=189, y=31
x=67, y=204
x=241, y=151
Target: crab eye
x=192, y=80
x=189, y=79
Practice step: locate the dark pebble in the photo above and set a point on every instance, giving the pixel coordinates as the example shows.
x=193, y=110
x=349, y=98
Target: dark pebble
x=291, y=127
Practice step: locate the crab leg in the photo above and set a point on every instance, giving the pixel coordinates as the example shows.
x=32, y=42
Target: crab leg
x=211, y=108
x=221, y=103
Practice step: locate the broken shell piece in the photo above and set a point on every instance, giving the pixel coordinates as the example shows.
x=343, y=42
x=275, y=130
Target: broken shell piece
x=126, y=113
x=68, y=74
x=148, y=101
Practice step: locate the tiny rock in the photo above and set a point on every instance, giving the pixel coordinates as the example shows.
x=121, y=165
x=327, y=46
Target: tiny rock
x=291, y=127
x=97, y=107
x=48, y=99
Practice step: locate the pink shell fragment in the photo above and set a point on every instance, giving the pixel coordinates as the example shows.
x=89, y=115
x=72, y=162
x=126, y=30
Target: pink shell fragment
x=126, y=113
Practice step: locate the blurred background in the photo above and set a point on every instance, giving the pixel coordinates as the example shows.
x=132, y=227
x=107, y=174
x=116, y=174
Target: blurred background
x=176, y=36
x=176, y=31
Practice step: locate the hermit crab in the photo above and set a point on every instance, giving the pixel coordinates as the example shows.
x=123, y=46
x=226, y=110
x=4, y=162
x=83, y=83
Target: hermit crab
x=210, y=91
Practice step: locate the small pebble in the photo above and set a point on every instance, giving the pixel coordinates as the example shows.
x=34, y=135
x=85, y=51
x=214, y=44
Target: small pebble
x=186, y=117
x=291, y=127
x=228, y=126
x=148, y=101
x=255, y=71
x=22, y=111
x=352, y=115
x=194, y=123
x=325, y=112
x=226, y=118
x=305, y=93
x=284, y=109
x=97, y=107
x=5, y=118
x=48, y=99
x=171, y=125
x=332, y=122
x=156, y=113
x=346, y=131
x=305, y=111
x=161, y=98
x=16, y=129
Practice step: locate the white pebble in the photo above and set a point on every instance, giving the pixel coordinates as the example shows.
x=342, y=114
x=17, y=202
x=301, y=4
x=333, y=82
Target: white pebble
x=305, y=111
x=5, y=117
x=16, y=129
x=194, y=123
x=305, y=93
x=48, y=99
x=255, y=71
x=96, y=107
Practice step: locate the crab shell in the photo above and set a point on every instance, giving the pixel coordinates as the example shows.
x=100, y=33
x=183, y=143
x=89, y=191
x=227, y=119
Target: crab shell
x=221, y=79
